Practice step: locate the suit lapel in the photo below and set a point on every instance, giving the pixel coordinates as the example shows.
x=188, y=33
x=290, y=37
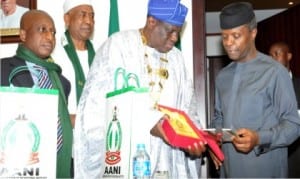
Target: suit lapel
x=21, y=79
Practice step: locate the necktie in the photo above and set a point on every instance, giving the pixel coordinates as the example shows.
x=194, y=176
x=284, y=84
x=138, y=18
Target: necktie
x=45, y=83
x=43, y=79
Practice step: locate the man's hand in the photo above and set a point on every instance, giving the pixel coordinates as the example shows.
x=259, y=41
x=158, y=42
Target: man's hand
x=245, y=140
x=194, y=150
x=158, y=131
x=215, y=159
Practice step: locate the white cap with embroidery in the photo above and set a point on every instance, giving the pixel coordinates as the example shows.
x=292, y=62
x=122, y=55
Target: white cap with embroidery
x=70, y=4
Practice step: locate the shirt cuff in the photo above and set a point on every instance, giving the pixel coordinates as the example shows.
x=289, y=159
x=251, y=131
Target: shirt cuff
x=264, y=142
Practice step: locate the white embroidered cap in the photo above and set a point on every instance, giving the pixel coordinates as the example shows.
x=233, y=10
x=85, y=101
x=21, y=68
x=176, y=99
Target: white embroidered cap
x=70, y=4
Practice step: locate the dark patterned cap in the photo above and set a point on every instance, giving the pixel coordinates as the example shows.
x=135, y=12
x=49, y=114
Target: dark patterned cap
x=236, y=14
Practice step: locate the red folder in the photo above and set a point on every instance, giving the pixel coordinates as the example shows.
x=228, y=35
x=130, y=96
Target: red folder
x=182, y=132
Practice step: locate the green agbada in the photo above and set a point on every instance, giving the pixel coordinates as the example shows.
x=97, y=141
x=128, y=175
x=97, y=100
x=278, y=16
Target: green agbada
x=71, y=52
x=63, y=163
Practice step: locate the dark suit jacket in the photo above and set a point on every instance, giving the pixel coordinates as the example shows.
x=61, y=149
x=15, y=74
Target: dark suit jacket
x=296, y=83
x=294, y=148
x=24, y=79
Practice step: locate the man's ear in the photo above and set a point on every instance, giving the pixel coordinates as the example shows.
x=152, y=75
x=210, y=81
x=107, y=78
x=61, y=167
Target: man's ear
x=67, y=19
x=23, y=35
x=254, y=33
x=290, y=55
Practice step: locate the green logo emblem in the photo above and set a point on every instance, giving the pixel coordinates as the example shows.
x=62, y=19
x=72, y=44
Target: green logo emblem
x=113, y=140
x=20, y=138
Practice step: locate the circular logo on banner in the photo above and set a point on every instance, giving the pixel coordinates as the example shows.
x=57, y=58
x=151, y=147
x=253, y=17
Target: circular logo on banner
x=20, y=140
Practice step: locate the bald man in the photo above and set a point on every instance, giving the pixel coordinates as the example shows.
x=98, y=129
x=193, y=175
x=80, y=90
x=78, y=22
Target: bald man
x=37, y=33
x=280, y=51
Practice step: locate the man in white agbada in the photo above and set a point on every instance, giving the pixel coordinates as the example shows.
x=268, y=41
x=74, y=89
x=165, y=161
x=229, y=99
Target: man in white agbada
x=75, y=52
x=138, y=51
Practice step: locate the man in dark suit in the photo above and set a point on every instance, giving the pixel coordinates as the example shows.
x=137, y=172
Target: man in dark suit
x=37, y=33
x=280, y=52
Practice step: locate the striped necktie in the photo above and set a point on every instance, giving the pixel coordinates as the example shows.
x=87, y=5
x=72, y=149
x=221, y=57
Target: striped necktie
x=45, y=83
x=43, y=80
